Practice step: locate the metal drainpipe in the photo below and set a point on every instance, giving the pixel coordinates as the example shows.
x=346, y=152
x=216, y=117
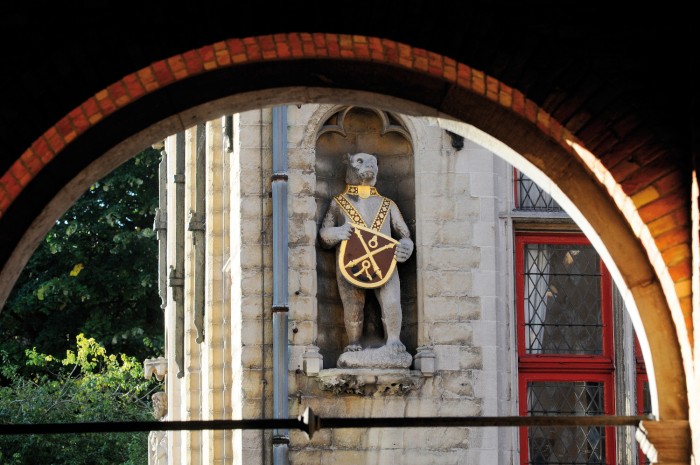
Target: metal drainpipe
x=280, y=301
x=177, y=273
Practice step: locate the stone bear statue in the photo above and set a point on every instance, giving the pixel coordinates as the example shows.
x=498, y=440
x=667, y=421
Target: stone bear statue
x=361, y=207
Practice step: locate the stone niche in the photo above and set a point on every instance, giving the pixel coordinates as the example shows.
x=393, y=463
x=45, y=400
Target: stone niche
x=351, y=130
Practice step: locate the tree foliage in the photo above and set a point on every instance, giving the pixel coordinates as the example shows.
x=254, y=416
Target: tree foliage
x=94, y=273
x=87, y=385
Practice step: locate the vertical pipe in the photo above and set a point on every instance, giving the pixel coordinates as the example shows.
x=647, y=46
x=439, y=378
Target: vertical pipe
x=160, y=226
x=280, y=301
x=196, y=226
x=263, y=326
x=177, y=273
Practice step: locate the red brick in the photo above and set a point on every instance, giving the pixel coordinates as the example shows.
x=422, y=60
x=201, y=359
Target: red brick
x=669, y=183
x=505, y=95
x=177, y=66
x=626, y=147
x=531, y=111
x=266, y=43
x=672, y=238
x=11, y=186
x=193, y=62
x=645, y=175
x=556, y=131
x=345, y=41
x=676, y=254
x=449, y=72
x=675, y=219
x=5, y=200
x=162, y=73
x=362, y=51
x=680, y=271
x=492, y=88
x=518, y=102
x=79, y=120
x=223, y=56
x=42, y=150
x=320, y=40
x=593, y=132
x=626, y=126
x=235, y=47
x=420, y=63
x=623, y=170
x=20, y=173
x=32, y=162
x=282, y=50
x=332, y=45
x=133, y=86
x=296, y=45
x=55, y=140
x=105, y=103
x=208, y=57
x=649, y=153
x=118, y=94
x=464, y=76
x=92, y=110
x=543, y=121
x=478, y=82
x=375, y=44
x=148, y=79
x=661, y=207
x=252, y=50
x=65, y=128
x=309, y=48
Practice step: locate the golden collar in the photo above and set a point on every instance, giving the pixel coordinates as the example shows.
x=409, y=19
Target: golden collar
x=362, y=191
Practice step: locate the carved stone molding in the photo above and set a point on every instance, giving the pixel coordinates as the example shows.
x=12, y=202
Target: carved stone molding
x=157, y=367
x=373, y=382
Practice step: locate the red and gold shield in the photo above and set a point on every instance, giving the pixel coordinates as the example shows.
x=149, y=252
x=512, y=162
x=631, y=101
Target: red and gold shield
x=367, y=259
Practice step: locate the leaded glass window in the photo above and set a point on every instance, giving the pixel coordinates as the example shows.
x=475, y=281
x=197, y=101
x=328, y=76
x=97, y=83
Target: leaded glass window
x=530, y=196
x=565, y=363
x=559, y=444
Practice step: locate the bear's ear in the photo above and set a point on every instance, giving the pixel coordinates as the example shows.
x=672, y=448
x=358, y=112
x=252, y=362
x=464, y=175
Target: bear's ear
x=347, y=158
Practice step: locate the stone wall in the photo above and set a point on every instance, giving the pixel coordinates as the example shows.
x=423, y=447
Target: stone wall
x=456, y=293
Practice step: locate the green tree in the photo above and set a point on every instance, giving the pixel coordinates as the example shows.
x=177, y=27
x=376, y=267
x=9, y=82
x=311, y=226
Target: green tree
x=87, y=385
x=94, y=273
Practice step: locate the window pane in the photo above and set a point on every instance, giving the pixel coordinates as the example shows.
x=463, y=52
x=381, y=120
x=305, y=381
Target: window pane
x=562, y=299
x=563, y=444
x=532, y=197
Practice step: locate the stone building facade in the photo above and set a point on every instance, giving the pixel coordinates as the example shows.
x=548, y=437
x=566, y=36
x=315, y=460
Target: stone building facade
x=225, y=295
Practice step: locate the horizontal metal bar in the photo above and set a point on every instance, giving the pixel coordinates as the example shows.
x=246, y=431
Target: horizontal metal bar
x=309, y=423
x=142, y=426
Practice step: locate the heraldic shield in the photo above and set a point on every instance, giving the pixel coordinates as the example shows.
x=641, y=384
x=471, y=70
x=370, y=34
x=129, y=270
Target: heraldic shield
x=367, y=259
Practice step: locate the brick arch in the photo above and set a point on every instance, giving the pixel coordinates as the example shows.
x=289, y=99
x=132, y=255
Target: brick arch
x=635, y=201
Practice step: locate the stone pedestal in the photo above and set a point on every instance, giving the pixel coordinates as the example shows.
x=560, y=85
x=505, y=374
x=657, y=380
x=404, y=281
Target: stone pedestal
x=382, y=357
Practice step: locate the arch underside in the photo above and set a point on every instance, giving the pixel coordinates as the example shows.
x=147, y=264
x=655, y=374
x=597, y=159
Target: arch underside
x=185, y=103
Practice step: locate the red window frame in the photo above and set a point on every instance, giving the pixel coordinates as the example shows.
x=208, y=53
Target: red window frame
x=641, y=378
x=565, y=367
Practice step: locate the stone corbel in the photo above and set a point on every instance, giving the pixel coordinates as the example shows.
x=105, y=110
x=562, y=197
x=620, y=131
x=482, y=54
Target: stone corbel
x=424, y=361
x=313, y=361
x=665, y=442
x=157, y=367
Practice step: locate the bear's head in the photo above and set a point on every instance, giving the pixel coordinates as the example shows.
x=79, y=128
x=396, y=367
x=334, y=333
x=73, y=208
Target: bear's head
x=361, y=169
